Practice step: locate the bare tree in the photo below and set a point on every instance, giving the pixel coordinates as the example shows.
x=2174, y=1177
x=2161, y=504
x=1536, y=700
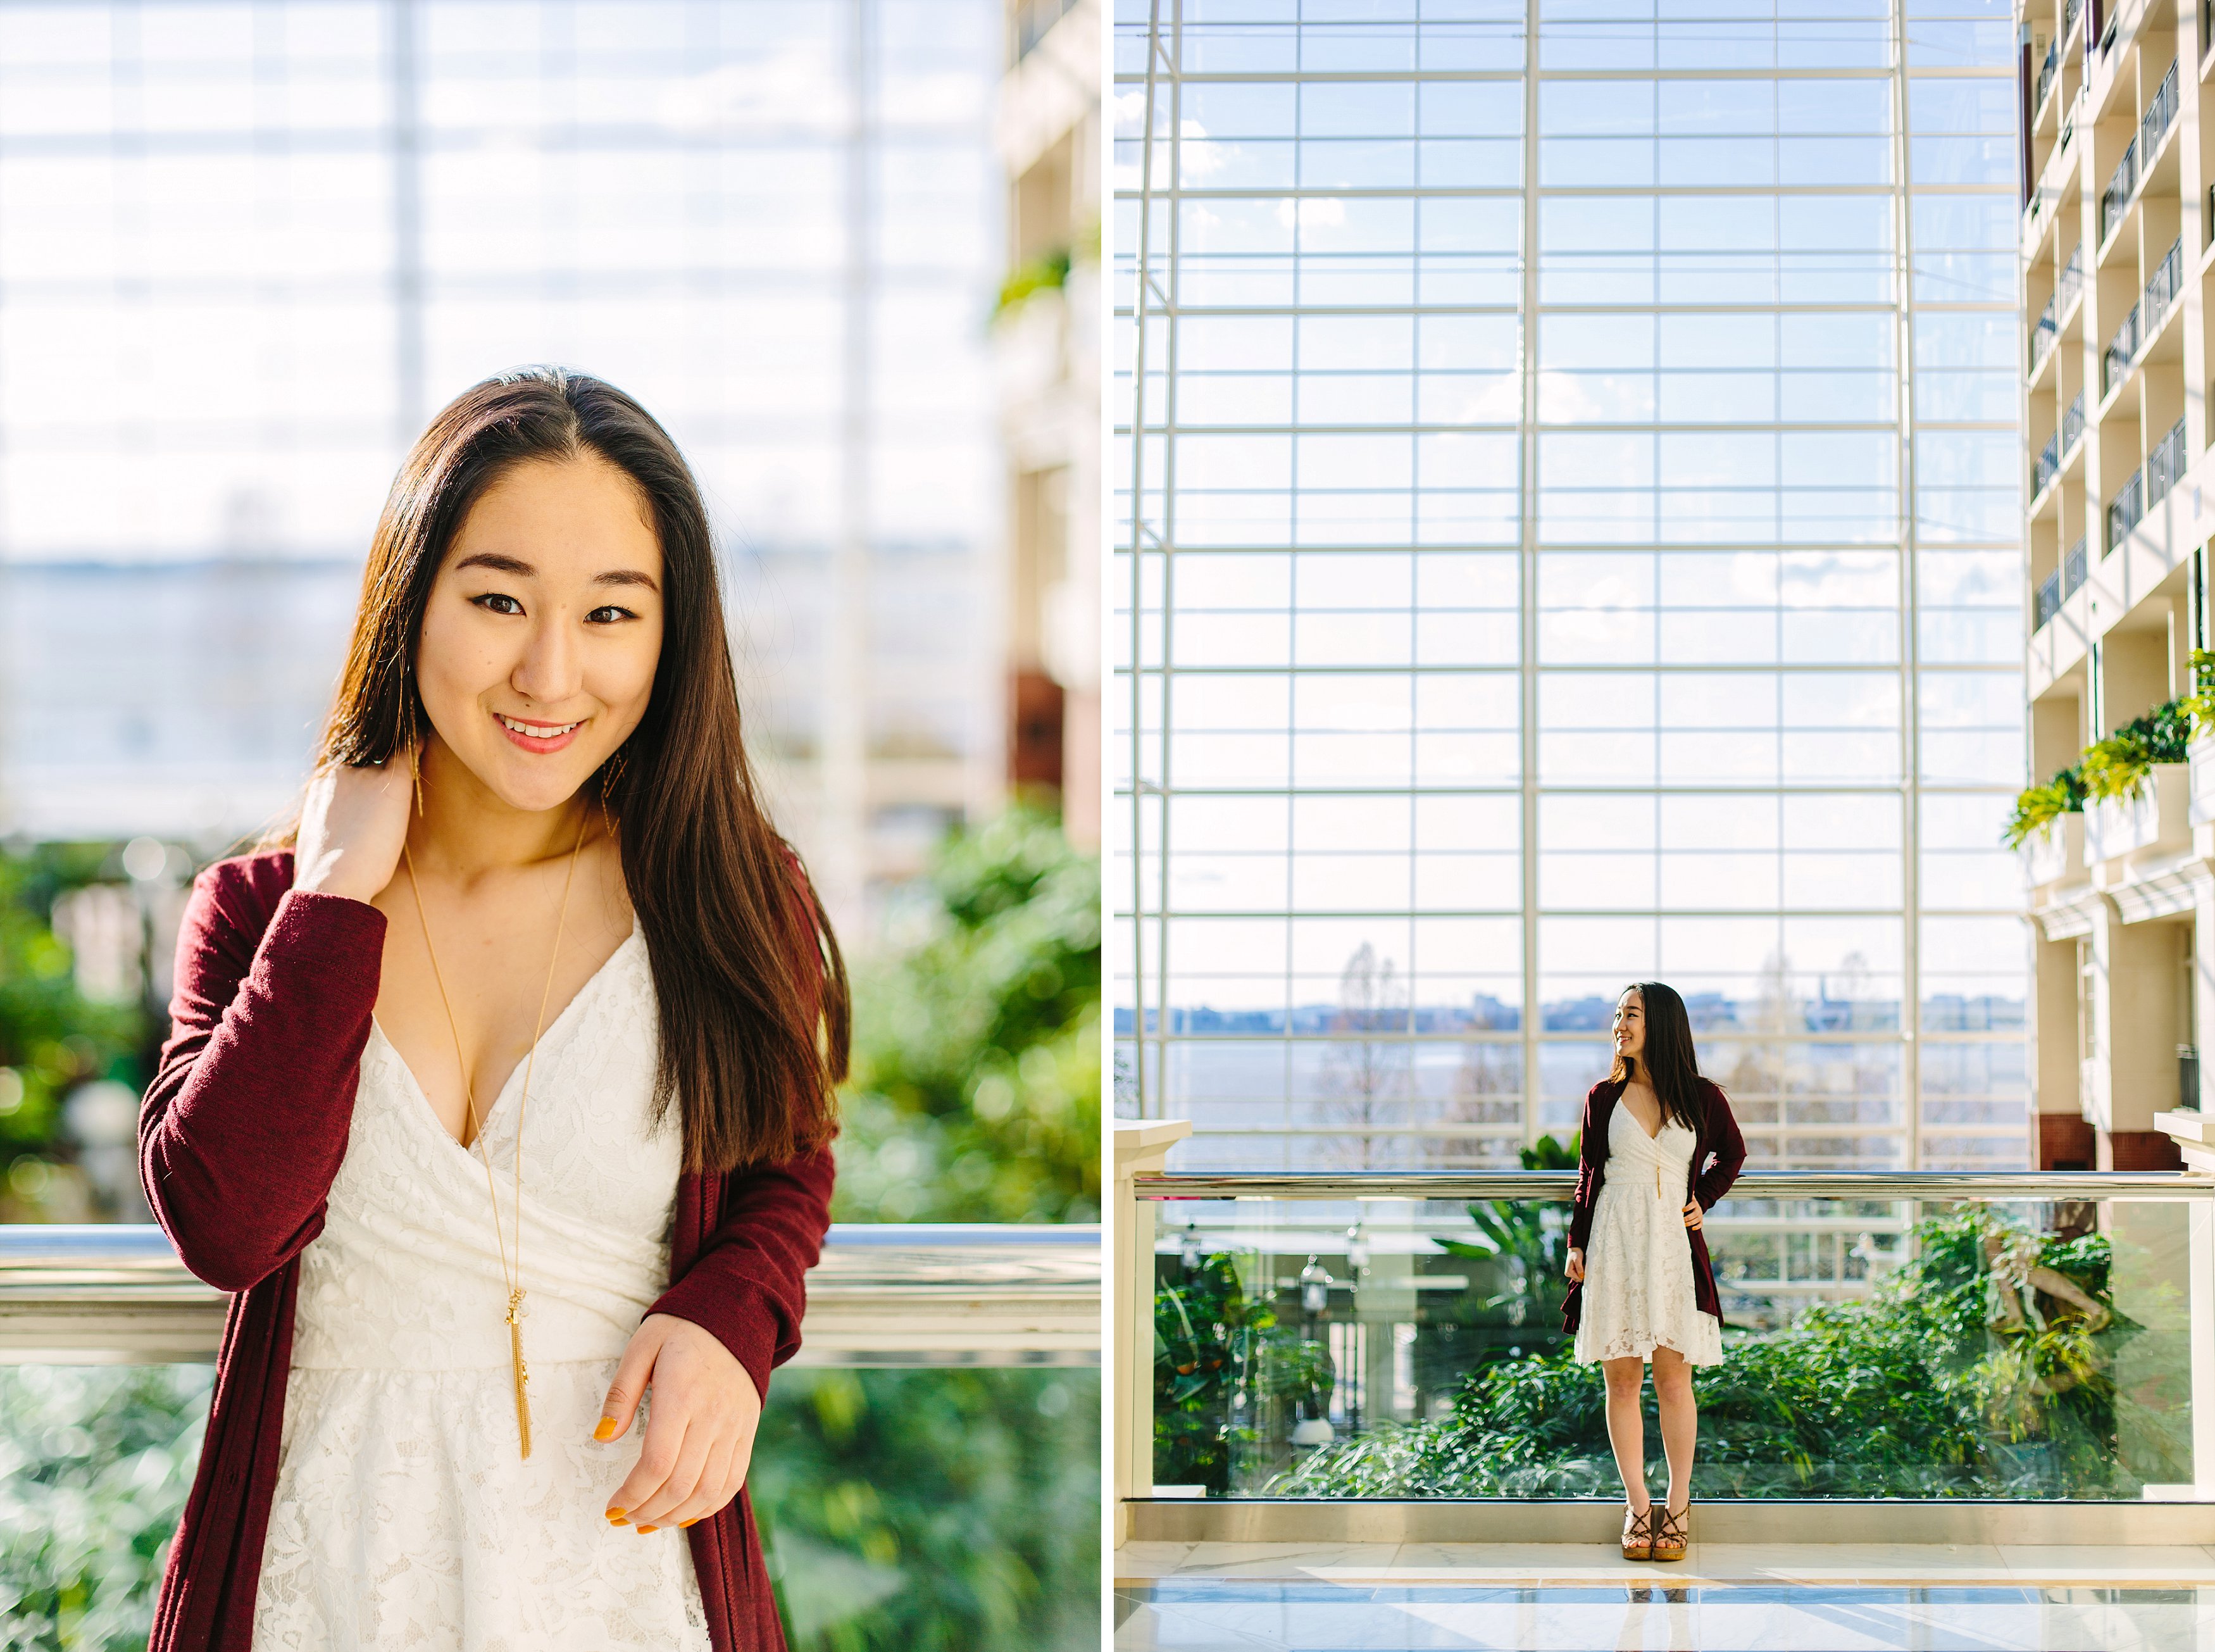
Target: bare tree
x=1363, y=1075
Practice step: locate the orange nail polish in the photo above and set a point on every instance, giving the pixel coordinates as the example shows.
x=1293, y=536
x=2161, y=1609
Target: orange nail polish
x=643, y=1530
x=606, y=1430
x=695, y=1521
x=617, y=1514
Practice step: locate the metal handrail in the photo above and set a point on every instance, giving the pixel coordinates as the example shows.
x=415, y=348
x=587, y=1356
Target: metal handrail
x=2064, y=1186
x=883, y=1294
x=2073, y=568
x=2049, y=599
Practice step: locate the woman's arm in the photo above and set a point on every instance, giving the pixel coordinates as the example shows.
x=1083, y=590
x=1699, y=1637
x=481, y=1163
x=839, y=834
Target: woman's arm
x=244, y=1125
x=749, y=1284
x=1729, y=1151
x=1580, y=1213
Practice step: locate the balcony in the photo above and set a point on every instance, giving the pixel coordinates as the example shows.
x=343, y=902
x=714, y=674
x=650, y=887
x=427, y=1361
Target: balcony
x=2138, y=155
x=2058, y=446
x=2200, y=755
x=2067, y=291
x=1343, y=1356
x=2059, y=585
x=2055, y=851
x=2148, y=486
x=2046, y=73
x=2153, y=822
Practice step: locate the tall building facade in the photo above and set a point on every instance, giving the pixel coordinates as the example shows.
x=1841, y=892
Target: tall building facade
x=247, y=249
x=1568, y=533
x=1048, y=356
x=2115, y=122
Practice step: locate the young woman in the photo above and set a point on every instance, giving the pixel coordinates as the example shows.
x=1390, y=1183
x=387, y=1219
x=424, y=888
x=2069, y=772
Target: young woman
x=532, y=837
x=1659, y=1148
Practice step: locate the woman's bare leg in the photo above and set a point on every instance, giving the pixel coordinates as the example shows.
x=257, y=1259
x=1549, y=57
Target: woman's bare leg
x=1680, y=1421
x=1626, y=1429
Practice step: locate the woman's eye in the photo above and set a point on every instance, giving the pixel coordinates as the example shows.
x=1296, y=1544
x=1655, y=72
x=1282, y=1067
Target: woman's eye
x=490, y=597
x=619, y=613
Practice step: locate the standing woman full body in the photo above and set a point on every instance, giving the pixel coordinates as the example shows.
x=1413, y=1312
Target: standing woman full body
x=499, y=1090
x=1659, y=1148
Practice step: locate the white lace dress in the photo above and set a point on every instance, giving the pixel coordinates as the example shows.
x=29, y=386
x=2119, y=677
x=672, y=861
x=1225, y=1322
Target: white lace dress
x=1638, y=1288
x=404, y=1516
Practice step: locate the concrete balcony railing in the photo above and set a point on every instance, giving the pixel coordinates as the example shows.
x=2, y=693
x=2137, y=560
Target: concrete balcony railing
x=2154, y=822
x=889, y=1294
x=1371, y=1356
x=2055, y=852
x=2199, y=757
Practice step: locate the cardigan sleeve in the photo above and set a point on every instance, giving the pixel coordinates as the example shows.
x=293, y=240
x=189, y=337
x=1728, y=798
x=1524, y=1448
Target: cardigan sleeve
x=244, y=1125
x=748, y=1287
x=1588, y=1177
x=1728, y=1149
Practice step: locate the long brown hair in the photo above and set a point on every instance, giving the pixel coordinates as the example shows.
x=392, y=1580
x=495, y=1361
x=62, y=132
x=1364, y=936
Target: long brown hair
x=746, y=972
x=1671, y=1063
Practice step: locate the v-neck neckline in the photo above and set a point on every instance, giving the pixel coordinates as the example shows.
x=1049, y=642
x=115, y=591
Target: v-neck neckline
x=431, y=1114
x=1650, y=1136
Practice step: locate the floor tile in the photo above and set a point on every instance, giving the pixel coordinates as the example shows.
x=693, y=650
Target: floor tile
x=1149, y=1559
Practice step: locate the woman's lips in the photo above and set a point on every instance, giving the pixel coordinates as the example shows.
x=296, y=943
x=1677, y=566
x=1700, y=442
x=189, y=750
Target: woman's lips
x=532, y=743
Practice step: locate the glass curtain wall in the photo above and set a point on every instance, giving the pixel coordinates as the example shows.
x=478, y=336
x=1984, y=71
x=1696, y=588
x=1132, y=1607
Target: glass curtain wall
x=1566, y=537
x=246, y=249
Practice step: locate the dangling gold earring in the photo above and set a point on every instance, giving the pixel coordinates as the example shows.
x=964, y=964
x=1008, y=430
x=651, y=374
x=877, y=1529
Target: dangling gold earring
x=415, y=768
x=607, y=783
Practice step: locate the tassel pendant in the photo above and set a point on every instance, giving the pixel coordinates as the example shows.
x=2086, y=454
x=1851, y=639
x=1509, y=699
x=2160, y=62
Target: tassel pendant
x=522, y=1376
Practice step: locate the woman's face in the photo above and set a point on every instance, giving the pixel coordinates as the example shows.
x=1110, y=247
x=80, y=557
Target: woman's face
x=1630, y=1023
x=543, y=628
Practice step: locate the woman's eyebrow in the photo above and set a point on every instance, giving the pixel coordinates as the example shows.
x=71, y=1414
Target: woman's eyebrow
x=501, y=563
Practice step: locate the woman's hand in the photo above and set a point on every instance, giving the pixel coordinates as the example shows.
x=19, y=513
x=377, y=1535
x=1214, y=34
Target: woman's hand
x=353, y=827
x=700, y=1437
x=1574, y=1267
x=1692, y=1213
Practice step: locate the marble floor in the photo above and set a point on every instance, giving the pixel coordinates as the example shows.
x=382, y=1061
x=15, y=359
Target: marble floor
x=1213, y=1597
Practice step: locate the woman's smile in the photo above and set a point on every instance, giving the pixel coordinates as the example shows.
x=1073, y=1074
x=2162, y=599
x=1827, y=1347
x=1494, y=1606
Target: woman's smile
x=538, y=736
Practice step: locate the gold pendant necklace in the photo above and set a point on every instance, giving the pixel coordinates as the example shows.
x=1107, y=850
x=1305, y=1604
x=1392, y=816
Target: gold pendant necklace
x=514, y=1278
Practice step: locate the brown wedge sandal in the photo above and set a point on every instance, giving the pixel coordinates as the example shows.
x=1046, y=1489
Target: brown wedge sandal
x=1638, y=1534
x=1672, y=1534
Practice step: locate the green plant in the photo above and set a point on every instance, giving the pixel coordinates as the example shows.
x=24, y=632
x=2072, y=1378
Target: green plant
x=1046, y=271
x=94, y=1463
x=1207, y=1333
x=51, y=1037
x=975, y=1090
x=2199, y=704
x=933, y=1511
x=1528, y=1238
x=2037, y=806
x=1985, y=1366
x=2118, y=766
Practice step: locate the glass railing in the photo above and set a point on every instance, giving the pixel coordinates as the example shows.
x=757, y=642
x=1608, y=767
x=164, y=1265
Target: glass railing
x=2073, y=568
x=883, y=1294
x=2045, y=73
x=2010, y=1336
x=2047, y=465
x=2153, y=126
x=2049, y=597
x=2126, y=509
x=2044, y=336
x=2117, y=195
x=2164, y=466
x=927, y=1469
x=2121, y=349
x=2072, y=424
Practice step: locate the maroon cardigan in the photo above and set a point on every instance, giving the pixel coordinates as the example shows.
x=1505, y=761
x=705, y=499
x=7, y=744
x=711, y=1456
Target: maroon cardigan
x=1717, y=1139
x=239, y=1137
